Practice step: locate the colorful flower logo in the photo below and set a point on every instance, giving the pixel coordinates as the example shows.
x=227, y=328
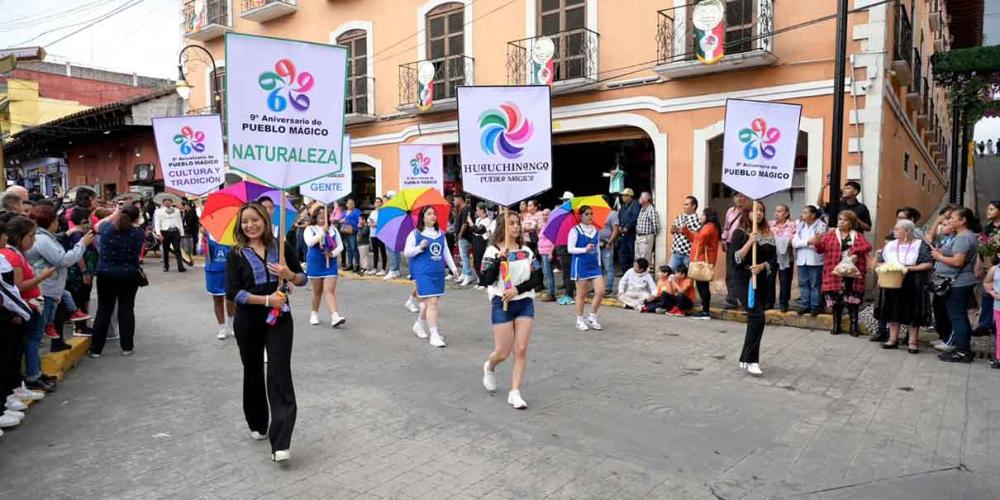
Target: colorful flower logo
x=190, y=140
x=421, y=164
x=285, y=85
x=505, y=131
x=759, y=140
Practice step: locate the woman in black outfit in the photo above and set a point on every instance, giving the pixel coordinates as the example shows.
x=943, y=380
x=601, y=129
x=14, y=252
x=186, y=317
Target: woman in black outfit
x=119, y=244
x=253, y=272
x=767, y=263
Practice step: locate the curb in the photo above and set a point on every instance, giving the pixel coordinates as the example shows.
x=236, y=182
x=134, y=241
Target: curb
x=57, y=364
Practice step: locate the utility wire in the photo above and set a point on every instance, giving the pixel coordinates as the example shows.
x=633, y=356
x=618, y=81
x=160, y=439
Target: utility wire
x=87, y=24
x=21, y=23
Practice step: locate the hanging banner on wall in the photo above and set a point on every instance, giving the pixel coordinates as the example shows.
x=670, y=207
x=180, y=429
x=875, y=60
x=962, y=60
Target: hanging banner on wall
x=332, y=187
x=285, y=108
x=759, y=145
x=191, y=153
x=505, y=140
x=425, y=85
x=709, y=20
x=421, y=165
x=542, y=68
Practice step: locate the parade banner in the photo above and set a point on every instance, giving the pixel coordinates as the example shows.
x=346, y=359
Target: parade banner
x=505, y=140
x=542, y=67
x=425, y=85
x=759, y=146
x=191, y=153
x=332, y=187
x=421, y=165
x=285, y=108
x=709, y=20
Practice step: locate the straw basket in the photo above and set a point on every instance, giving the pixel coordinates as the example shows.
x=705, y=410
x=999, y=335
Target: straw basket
x=890, y=279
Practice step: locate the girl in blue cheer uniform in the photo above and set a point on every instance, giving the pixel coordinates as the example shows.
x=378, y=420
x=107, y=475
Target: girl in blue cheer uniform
x=585, y=269
x=325, y=245
x=429, y=254
x=215, y=283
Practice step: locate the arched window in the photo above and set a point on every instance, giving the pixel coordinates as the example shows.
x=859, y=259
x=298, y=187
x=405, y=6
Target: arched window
x=446, y=47
x=357, y=70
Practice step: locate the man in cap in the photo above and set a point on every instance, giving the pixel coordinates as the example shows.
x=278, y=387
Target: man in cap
x=628, y=216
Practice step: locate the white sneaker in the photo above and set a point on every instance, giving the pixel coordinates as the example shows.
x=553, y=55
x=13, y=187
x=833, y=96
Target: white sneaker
x=25, y=394
x=754, y=369
x=337, y=320
x=7, y=421
x=592, y=319
x=313, y=318
x=419, y=330
x=113, y=335
x=466, y=281
x=514, y=399
x=222, y=334
x=581, y=325
x=256, y=436
x=743, y=366
x=15, y=404
x=943, y=346
x=480, y=287
x=437, y=340
x=16, y=414
x=489, y=377
x=380, y=273
x=281, y=456
x=411, y=305
x=391, y=275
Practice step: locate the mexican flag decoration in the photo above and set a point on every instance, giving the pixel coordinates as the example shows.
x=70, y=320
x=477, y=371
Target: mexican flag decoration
x=425, y=85
x=709, y=30
x=542, y=68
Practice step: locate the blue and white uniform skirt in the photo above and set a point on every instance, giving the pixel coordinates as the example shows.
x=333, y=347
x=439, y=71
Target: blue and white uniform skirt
x=429, y=285
x=585, y=266
x=316, y=264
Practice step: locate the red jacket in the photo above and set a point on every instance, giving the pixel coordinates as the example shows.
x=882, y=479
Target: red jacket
x=704, y=243
x=829, y=246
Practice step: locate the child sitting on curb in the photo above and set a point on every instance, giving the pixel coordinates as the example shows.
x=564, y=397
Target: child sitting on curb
x=675, y=292
x=636, y=286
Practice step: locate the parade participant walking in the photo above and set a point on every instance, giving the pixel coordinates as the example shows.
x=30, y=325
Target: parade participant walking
x=168, y=224
x=744, y=240
x=263, y=323
x=704, y=253
x=585, y=269
x=118, y=278
x=428, y=252
x=845, y=256
x=216, y=255
x=510, y=275
x=325, y=245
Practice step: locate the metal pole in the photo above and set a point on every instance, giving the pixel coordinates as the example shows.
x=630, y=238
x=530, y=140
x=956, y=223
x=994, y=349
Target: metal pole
x=839, y=76
x=953, y=175
x=964, y=174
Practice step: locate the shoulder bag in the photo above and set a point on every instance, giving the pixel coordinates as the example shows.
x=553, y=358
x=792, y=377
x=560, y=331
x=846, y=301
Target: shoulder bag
x=702, y=270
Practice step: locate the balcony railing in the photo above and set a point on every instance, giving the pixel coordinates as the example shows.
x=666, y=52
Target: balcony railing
x=264, y=10
x=923, y=116
x=746, y=45
x=449, y=73
x=575, y=58
x=206, y=20
x=902, y=46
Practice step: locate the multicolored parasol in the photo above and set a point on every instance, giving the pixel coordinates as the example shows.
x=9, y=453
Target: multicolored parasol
x=565, y=216
x=398, y=217
x=221, y=209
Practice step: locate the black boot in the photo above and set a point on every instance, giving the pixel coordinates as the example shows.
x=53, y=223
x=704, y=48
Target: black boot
x=838, y=319
x=852, y=313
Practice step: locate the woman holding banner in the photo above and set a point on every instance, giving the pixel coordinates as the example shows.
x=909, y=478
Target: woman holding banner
x=510, y=275
x=325, y=244
x=760, y=264
x=263, y=322
x=585, y=268
x=428, y=252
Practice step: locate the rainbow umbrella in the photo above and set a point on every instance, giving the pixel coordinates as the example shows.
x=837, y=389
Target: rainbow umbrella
x=221, y=209
x=565, y=216
x=398, y=217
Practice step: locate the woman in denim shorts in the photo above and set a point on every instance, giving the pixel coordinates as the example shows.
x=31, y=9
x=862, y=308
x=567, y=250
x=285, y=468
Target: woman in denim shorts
x=510, y=275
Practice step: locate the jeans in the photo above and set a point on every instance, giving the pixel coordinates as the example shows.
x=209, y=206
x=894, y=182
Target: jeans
x=782, y=278
x=956, y=304
x=111, y=291
x=393, y=259
x=32, y=342
x=677, y=259
x=608, y=263
x=626, y=252
x=810, y=279
x=67, y=300
x=986, y=312
x=351, y=247
x=550, y=279
x=464, y=249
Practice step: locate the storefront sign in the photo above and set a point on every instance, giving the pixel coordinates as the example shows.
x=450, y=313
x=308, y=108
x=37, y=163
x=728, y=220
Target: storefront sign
x=759, y=146
x=542, y=68
x=505, y=138
x=332, y=187
x=285, y=108
x=421, y=165
x=709, y=19
x=191, y=152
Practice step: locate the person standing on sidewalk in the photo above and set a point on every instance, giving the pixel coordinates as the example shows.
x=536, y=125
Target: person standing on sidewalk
x=992, y=286
x=783, y=229
x=168, y=224
x=987, y=325
x=546, y=251
x=513, y=324
x=647, y=226
x=349, y=229
x=808, y=261
x=608, y=236
x=463, y=233
x=15, y=313
x=191, y=224
x=562, y=255
x=736, y=286
x=955, y=276
x=482, y=230
x=628, y=216
x=118, y=279
x=844, y=244
x=325, y=245
x=264, y=327
x=427, y=249
x=380, y=260
x=681, y=245
x=705, y=248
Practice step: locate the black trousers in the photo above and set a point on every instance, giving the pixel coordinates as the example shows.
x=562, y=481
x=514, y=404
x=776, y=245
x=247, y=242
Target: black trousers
x=478, y=250
x=11, y=350
x=733, y=297
x=705, y=292
x=668, y=302
x=565, y=264
x=171, y=243
x=626, y=252
x=942, y=322
x=755, y=322
x=255, y=336
x=113, y=290
x=378, y=254
x=782, y=279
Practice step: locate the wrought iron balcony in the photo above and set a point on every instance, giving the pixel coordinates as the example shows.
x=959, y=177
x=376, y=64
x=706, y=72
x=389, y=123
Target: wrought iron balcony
x=450, y=73
x=359, y=106
x=264, y=10
x=747, y=45
x=206, y=20
x=902, y=45
x=913, y=95
x=574, y=63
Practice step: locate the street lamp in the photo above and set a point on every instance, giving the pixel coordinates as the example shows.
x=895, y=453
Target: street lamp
x=183, y=87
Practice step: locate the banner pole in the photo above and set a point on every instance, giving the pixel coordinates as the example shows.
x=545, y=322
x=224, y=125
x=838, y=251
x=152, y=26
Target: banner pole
x=753, y=259
x=281, y=237
x=326, y=227
x=506, y=246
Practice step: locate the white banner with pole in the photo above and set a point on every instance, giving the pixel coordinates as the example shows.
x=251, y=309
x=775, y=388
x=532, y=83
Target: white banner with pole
x=505, y=140
x=285, y=108
x=760, y=138
x=332, y=187
x=191, y=152
x=421, y=165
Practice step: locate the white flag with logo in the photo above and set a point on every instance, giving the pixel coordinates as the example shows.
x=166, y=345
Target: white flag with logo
x=191, y=153
x=759, y=146
x=421, y=165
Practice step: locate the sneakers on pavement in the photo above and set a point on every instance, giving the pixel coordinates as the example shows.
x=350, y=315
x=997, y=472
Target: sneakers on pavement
x=281, y=456
x=50, y=331
x=15, y=404
x=336, y=320
x=754, y=369
x=955, y=357
x=16, y=414
x=489, y=377
x=675, y=311
x=419, y=329
x=380, y=272
x=581, y=325
x=222, y=333
x=39, y=385
x=256, y=436
x=25, y=394
x=78, y=316
x=128, y=353
x=411, y=305
x=514, y=399
x=466, y=281
x=944, y=347
x=391, y=275
x=95, y=355
x=701, y=315
x=437, y=340
x=8, y=421
x=592, y=321
x=314, y=318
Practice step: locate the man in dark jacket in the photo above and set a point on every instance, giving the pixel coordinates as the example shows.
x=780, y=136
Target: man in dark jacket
x=628, y=215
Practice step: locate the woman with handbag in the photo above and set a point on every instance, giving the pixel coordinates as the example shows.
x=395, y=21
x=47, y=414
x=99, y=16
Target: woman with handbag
x=845, y=257
x=118, y=278
x=909, y=304
x=760, y=265
x=704, y=255
x=955, y=278
x=783, y=228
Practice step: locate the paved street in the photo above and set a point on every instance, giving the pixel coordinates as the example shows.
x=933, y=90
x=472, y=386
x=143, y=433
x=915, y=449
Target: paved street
x=653, y=407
